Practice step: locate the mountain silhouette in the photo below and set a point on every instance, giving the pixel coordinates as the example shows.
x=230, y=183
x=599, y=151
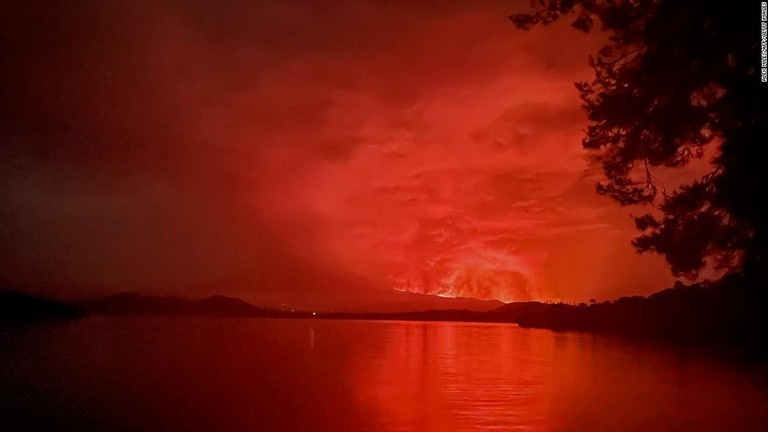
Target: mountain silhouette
x=728, y=312
x=15, y=306
x=134, y=304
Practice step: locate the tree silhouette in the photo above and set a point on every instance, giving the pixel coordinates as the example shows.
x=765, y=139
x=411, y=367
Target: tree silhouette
x=675, y=76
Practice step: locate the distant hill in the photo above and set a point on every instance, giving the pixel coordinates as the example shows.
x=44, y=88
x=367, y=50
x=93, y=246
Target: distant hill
x=729, y=312
x=513, y=311
x=427, y=315
x=15, y=306
x=401, y=301
x=509, y=312
x=134, y=304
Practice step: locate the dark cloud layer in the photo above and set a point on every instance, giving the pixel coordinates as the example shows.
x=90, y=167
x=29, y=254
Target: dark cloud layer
x=309, y=153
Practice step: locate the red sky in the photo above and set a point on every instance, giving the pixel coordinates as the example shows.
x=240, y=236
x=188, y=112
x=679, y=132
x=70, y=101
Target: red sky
x=307, y=153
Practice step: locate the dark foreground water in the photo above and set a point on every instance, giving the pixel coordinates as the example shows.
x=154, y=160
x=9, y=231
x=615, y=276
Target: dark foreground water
x=162, y=374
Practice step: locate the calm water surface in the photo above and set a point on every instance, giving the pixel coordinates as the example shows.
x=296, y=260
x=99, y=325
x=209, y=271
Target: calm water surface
x=117, y=374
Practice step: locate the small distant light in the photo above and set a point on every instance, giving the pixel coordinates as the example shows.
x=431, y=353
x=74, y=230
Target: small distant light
x=314, y=313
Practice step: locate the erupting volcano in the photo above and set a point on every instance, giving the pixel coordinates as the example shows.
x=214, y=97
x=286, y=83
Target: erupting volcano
x=424, y=149
x=485, y=275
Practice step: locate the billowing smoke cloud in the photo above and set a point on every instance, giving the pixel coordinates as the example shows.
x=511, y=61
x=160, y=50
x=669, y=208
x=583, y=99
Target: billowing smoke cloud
x=307, y=153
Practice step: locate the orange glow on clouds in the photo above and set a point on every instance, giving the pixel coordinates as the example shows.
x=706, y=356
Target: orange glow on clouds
x=454, y=192
x=482, y=274
x=307, y=154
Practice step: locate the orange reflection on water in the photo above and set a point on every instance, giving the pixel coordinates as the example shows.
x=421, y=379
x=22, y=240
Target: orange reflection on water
x=156, y=374
x=470, y=376
x=448, y=376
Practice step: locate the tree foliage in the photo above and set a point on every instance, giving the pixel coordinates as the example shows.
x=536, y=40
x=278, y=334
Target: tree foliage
x=675, y=76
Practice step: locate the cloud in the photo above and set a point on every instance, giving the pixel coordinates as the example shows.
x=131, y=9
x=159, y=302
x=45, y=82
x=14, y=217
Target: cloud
x=300, y=152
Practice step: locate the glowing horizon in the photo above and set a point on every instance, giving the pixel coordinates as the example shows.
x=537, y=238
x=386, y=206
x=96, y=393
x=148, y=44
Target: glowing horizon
x=307, y=155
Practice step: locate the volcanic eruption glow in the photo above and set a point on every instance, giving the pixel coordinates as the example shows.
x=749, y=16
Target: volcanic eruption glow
x=484, y=275
x=299, y=153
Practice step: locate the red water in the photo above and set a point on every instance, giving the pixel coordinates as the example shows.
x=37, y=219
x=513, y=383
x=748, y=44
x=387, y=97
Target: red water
x=297, y=375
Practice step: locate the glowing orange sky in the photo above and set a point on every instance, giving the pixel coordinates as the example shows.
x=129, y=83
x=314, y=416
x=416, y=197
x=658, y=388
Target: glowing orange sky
x=305, y=154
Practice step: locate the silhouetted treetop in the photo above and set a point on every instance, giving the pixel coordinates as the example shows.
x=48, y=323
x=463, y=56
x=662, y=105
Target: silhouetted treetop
x=675, y=76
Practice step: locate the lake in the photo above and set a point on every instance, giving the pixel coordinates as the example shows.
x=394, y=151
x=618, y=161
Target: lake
x=167, y=374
